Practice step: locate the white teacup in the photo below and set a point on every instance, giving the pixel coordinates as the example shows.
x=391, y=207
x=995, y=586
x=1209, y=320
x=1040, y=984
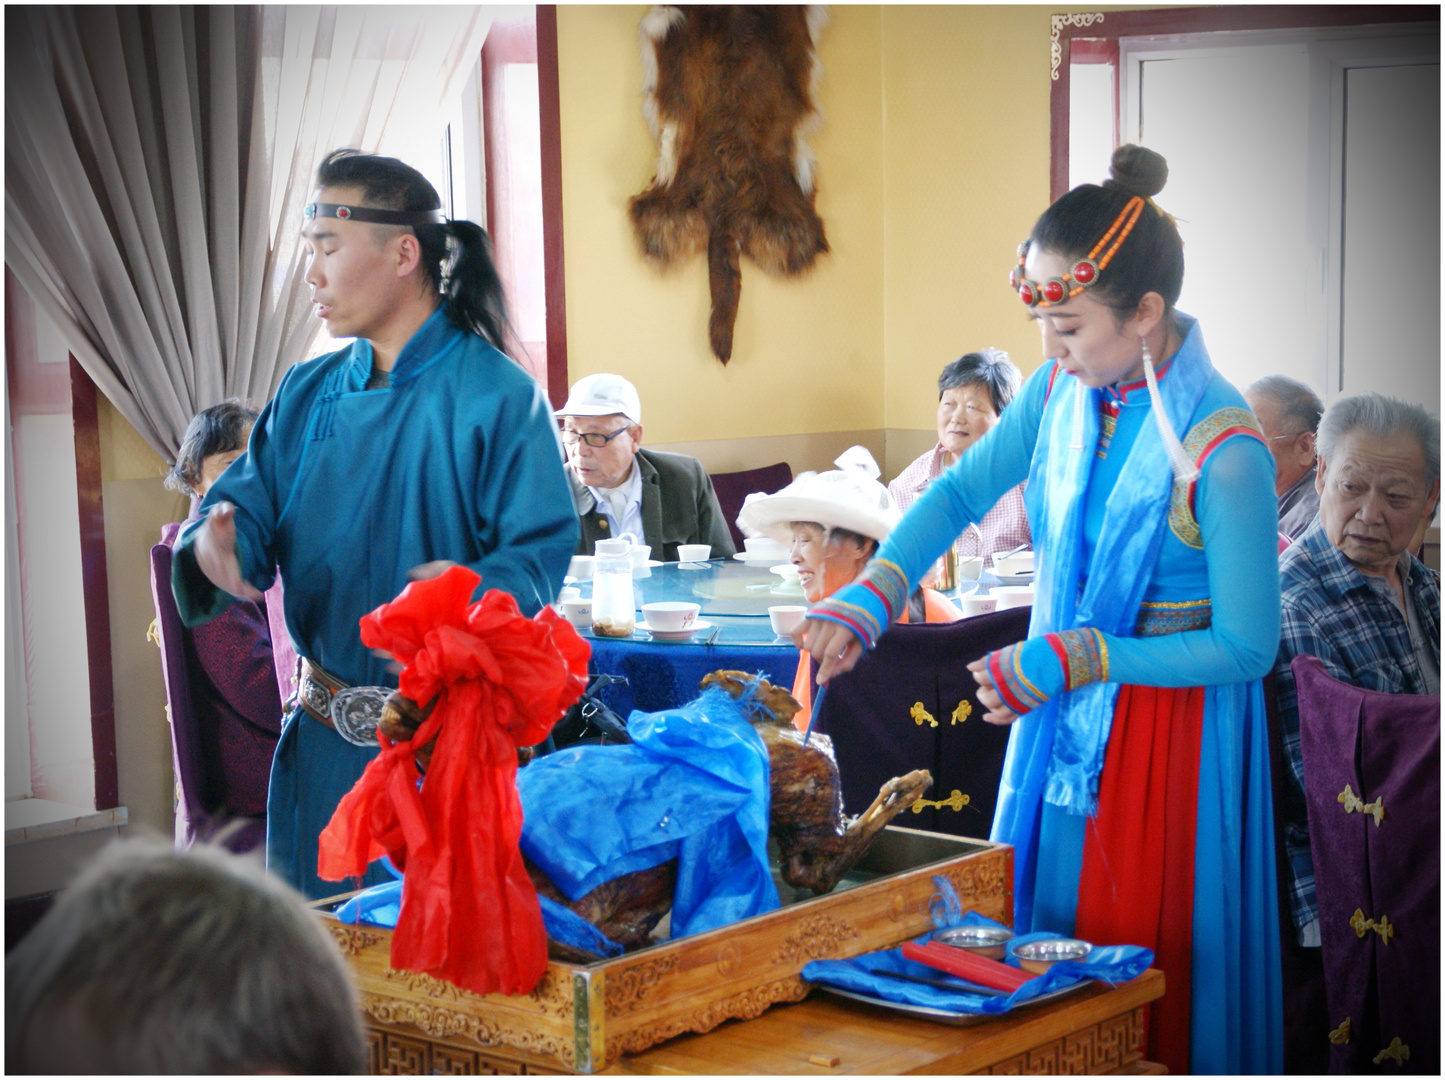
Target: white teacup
x=694, y=552
x=640, y=554
x=670, y=614
x=977, y=604
x=581, y=567
x=577, y=611
x=1012, y=596
x=568, y=592
x=620, y=545
x=785, y=618
x=969, y=567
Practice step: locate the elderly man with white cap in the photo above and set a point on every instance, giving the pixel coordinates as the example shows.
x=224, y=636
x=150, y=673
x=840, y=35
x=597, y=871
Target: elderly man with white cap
x=833, y=522
x=661, y=499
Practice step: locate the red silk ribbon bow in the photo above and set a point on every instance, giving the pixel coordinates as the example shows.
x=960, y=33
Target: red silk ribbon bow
x=469, y=911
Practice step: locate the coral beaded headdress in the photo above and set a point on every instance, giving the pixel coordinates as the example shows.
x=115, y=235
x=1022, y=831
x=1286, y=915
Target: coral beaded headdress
x=1085, y=272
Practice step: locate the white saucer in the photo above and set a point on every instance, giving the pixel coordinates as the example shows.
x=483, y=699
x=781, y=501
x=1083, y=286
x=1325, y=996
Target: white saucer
x=673, y=635
x=785, y=570
x=1015, y=579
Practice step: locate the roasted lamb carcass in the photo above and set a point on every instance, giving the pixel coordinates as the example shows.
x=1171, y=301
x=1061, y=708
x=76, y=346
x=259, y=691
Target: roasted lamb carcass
x=817, y=843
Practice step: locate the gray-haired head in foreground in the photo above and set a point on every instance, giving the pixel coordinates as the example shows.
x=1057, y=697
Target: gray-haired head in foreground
x=163, y=961
x=1381, y=415
x=1299, y=406
x=989, y=368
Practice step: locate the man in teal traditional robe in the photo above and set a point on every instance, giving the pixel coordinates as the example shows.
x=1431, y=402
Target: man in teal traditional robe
x=419, y=444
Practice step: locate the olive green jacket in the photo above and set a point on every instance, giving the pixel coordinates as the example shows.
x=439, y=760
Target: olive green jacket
x=679, y=506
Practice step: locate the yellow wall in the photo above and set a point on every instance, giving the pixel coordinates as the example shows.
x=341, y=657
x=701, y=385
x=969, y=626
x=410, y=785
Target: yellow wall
x=967, y=145
x=808, y=352
x=933, y=164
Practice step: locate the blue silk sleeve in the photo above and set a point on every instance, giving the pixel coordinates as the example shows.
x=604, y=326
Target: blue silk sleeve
x=960, y=496
x=1238, y=520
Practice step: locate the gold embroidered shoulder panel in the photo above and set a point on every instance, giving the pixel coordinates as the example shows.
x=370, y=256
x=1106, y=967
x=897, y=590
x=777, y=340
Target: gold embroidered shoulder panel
x=1201, y=441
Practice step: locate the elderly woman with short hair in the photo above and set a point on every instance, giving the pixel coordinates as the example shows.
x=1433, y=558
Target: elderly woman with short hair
x=833, y=522
x=973, y=392
x=234, y=690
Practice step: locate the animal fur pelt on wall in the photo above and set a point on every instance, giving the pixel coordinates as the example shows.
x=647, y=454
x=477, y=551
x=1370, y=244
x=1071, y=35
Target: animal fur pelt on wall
x=728, y=93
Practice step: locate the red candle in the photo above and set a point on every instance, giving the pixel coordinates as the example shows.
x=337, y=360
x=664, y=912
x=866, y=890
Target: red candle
x=965, y=965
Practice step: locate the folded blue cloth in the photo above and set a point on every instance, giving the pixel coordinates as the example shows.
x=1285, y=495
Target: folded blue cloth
x=380, y=905
x=1111, y=964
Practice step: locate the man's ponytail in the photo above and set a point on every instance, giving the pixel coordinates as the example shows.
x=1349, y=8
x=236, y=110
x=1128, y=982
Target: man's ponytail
x=470, y=285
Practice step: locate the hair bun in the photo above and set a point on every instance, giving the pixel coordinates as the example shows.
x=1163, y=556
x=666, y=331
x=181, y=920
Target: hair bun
x=1138, y=170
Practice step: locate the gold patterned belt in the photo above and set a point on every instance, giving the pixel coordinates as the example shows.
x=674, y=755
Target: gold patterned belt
x=1158, y=619
x=351, y=711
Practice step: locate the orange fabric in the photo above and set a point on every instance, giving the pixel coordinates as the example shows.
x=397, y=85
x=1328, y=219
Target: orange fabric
x=469, y=911
x=1137, y=882
x=937, y=608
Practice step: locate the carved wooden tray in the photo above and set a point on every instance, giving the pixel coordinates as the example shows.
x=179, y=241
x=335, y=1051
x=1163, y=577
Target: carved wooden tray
x=581, y=1018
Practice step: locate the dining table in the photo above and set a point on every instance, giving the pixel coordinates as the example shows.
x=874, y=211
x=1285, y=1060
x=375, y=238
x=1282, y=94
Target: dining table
x=733, y=632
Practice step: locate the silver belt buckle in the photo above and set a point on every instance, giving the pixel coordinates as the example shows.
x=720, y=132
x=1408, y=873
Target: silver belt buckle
x=356, y=712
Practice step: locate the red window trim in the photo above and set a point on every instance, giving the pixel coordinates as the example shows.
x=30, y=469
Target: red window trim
x=95, y=582
x=549, y=100
x=1102, y=31
x=534, y=42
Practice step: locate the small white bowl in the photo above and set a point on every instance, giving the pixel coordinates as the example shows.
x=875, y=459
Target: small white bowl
x=969, y=567
x=694, y=552
x=577, y=611
x=977, y=604
x=668, y=615
x=1013, y=596
x=785, y=618
x=1021, y=562
x=641, y=553
x=581, y=567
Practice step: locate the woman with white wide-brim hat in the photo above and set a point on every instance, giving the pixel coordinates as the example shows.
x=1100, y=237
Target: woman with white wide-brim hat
x=832, y=523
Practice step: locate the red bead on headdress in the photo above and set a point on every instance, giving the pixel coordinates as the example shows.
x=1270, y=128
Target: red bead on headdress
x=1084, y=273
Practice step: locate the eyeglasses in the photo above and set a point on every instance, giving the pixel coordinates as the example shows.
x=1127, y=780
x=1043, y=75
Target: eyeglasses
x=594, y=439
x=1296, y=435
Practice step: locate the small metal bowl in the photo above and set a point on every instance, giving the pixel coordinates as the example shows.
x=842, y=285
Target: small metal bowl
x=1039, y=956
x=986, y=941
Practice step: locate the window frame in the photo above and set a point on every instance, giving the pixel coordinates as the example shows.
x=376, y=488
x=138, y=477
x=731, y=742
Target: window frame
x=1098, y=33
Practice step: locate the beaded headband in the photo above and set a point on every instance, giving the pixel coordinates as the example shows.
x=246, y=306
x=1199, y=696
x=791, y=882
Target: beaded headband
x=1085, y=272
x=374, y=216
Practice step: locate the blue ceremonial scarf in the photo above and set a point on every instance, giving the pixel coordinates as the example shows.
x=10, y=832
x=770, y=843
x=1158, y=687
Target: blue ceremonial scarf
x=1107, y=592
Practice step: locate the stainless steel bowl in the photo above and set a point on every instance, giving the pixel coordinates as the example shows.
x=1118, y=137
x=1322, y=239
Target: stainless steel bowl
x=986, y=941
x=1039, y=956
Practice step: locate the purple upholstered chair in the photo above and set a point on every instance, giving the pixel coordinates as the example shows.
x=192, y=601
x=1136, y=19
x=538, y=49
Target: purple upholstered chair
x=734, y=487
x=1362, y=750
x=223, y=728
x=875, y=717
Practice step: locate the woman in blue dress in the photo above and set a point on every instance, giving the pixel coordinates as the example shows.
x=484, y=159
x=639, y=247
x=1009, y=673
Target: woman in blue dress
x=1136, y=788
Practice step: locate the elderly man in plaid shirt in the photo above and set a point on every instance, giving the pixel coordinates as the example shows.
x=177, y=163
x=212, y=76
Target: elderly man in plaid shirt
x=1355, y=597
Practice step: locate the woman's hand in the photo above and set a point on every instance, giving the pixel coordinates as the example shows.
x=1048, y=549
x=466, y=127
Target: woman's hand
x=988, y=697
x=833, y=645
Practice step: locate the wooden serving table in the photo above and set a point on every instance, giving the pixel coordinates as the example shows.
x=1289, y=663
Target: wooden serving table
x=1096, y=1030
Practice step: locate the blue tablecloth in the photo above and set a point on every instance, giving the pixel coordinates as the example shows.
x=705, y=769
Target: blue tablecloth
x=735, y=597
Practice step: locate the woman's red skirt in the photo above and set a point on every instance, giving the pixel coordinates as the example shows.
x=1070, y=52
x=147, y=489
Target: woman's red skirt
x=1137, y=882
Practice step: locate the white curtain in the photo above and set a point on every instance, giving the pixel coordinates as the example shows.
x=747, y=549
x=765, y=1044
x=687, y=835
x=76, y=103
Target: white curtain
x=156, y=163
